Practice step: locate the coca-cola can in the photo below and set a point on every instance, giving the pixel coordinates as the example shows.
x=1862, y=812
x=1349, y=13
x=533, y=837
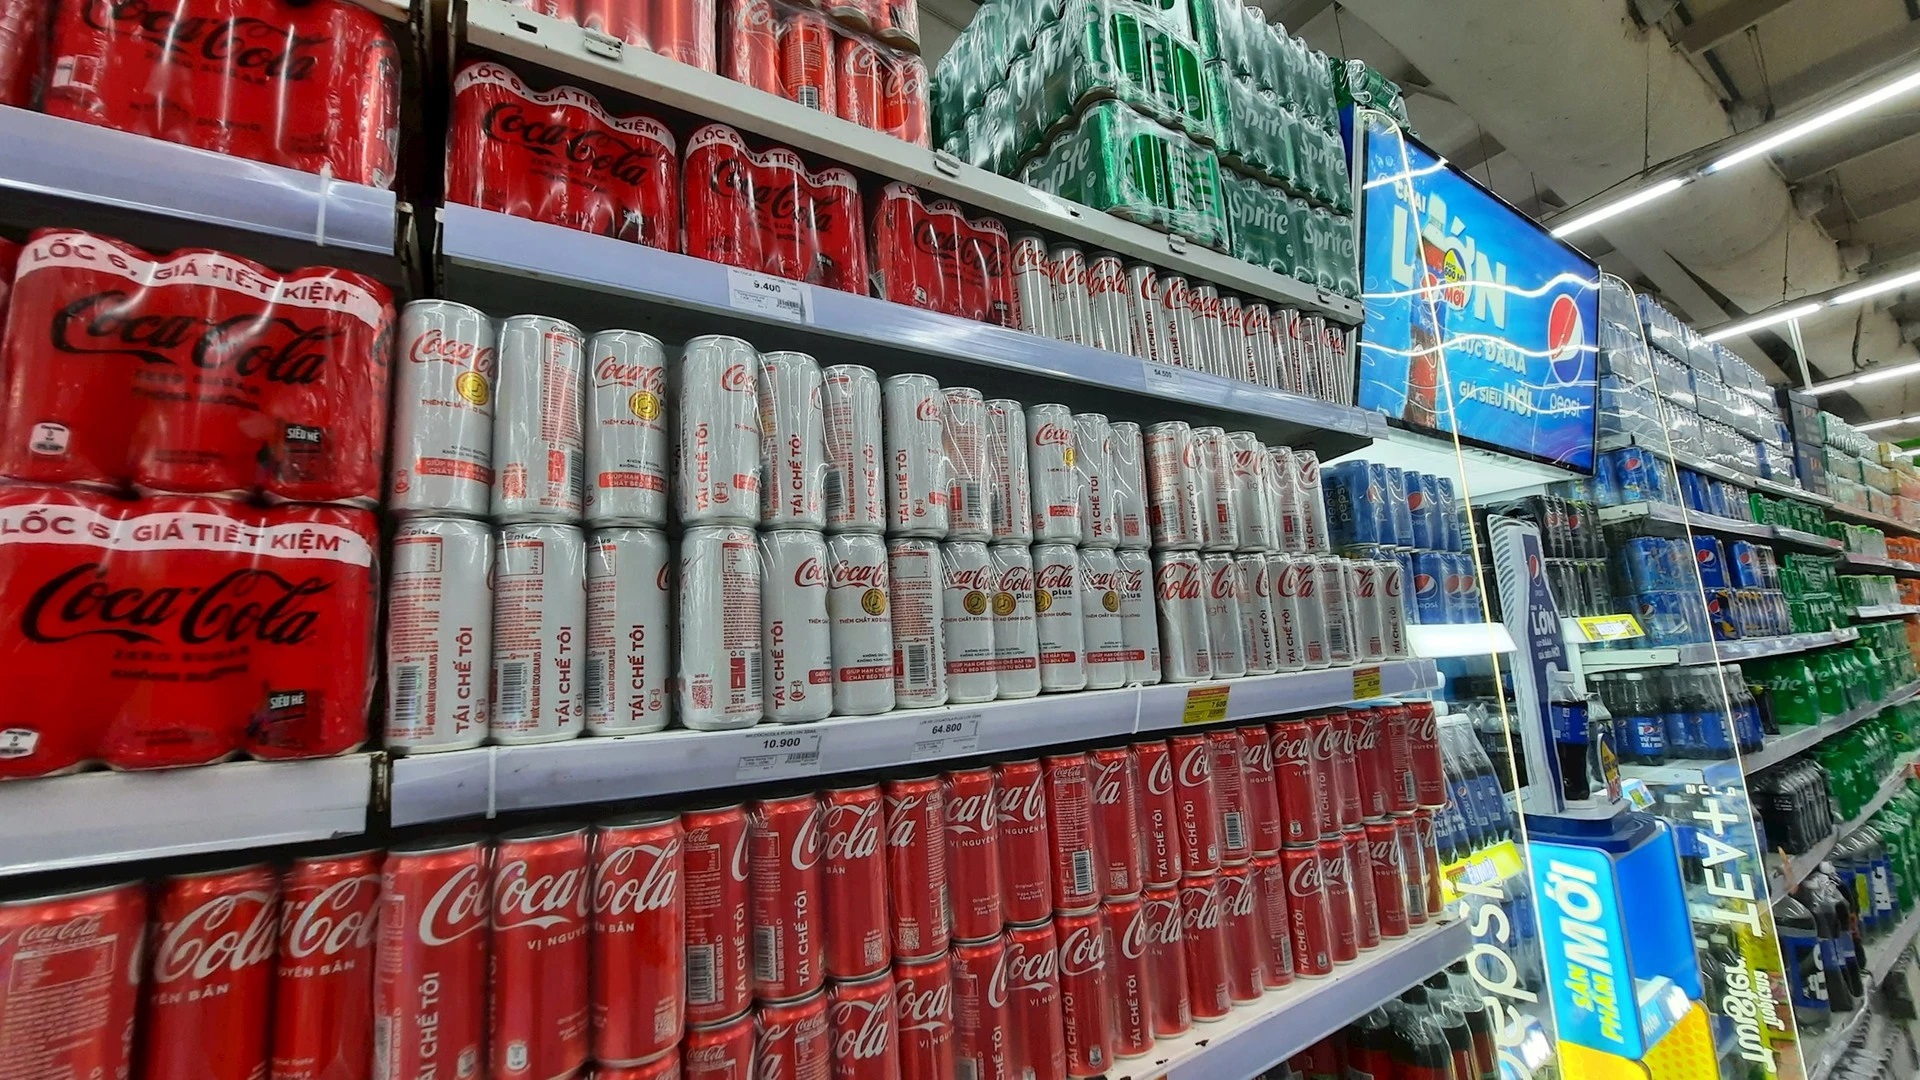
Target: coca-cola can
x=1286, y=500
x=1174, y=513
x=793, y=442
x=1181, y=595
x=439, y=635
x=212, y=970
x=719, y=973
x=1326, y=740
x=1311, y=501
x=1297, y=779
x=1244, y=916
x=720, y=673
x=1055, y=477
x=964, y=438
x=1393, y=607
x=856, y=477
x=1257, y=324
x=1129, y=975
x=1196, y=809
x=860, y=624
x=1072, y=306
x=1102, y=619
x=1336, y=596
x=1417, y=861
x=1174, y=317
x=1016, y=635
x=787, y=888
x=1366, y=736
x=795, y=630
x=1139, y=628
x=791, y=1038
x=864, y=1023
x=923, y=999
x=1401, y=790
x=1075, y=856
x=1226, y=619
x=628, y=456
x=1203, y=934
x=1170, y=1006
x=967, y=594
x=1389, y=877
x=1160, y=831
x=854, y=882
x=1366, y=908
x=1247, y=469
x=1220, y=511
x=629, y=631
x=1276, y=953
x=1086, y=998
x=1092, y=453
x=1032, y=286
x=539, y=943
x=1141, y=293
x=1367, y=611
x=443, y=411
x=719, y=1051
x=1334, y=751
x=1233, y=339
x=664, y=1067
x=539, y=633
x=1307, y=904
x=329, y=914
x=1343, y=938
x=983, y=1035
x=1025, y=842
x=917, y=866
x=917, y=586
x=1299, y=614
x=1423, y=748
x=1116, y=815
x=1259, y=635
x=973, y=854
x=917, y=470
x=429, y=990
x=1207, y=331
x=1108, y=325
x=1265, y=830
x=639, y=938
x=1229, y=795
x=717, y=454
x=1033, y=1001
x=1126, y=485
x=539, y=470
x=1058, y=619
x=1009, y=486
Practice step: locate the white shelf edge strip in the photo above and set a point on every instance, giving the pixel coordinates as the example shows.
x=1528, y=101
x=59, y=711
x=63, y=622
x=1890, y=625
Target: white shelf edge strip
x=1884, y=953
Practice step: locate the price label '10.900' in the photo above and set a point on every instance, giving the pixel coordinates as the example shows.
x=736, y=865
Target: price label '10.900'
x=779, y=754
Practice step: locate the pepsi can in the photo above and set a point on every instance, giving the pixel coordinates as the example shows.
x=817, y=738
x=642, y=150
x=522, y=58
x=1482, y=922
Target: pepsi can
x=1429, y=606
x=1420, y=509
x=1449, y=512
x=1711, y=558
x=1458, y=586
x=1399, y=511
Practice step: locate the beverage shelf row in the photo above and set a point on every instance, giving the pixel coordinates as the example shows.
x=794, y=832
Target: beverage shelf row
x=1777, y=749
x=1886, y=611
x=1709, y=652
x=1787, y=875
x=1823, y=1052
x=1722, y=472
x=1878, y=563
x=1882, y=955
x=1679, y=517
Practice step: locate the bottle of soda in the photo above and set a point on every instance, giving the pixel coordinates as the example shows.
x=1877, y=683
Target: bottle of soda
x=1568, y=710
x=1706, y=714
x=1826, y=926
x=1854, y=875
x=1852, y=946
x=1746, y=713
x=1636, y=709
x=1321, y=1061
x=1603, y=748
x=1480, y=1021
x=1830, y=683
x=1681, y=740
x=1370, y=1042
x=1806, y=973
x=1420, y=1050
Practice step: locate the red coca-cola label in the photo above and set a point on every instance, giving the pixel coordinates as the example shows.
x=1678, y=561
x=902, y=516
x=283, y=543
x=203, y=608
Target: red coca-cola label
x=308, y=86
x=765, y=211
x=907, y=262
x=561, y=158
x=213, y=947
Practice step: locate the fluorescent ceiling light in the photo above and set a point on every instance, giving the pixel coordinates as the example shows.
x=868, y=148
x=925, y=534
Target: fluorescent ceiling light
x=1878, y=424
x=1614, y=209
x=1876, y=288
x=1798, y=311
x=1818, y=121
x=1897, y=371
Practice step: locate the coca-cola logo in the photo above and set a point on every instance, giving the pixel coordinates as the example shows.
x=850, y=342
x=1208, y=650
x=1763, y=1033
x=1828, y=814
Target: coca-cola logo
x=619, y=892
x=1256, y=752
x=1138, y=934
x=1196, y=765
x=1109, y=780
x=1329, y=740
x=610, y=371
x=1238, y=895
x=805, y=853
x=1033, y=971
x=1055, y=577
x=975, y=578
x=902, y=820
x=1305, y=879
x=1292, y=745
x=549, y=900
x=1224, y=581
x=1084, y=951
x=1200, y=908
x=1026, y=804
x=845, y=573
x=808, y=574
x=600, y=150
x=337, y=918
x=1159, y=775
x=254, y=48
x=1029, y=255
x=997, y=980
x=1384, y=852
x=245, y=605
x=1052, y=434
x=1017, y=578
x=780, y=199
x=932, y=237
x=276, y=349
x=927, y=410
x=457, y=908
x=434, y=347
x=1164, y=921
x=853, y=831
x=1177, y=580
x=924, y=1008
x=78, y=928
x=862, y=1030
x=736, y=379
x=1422, y=729
x=229, y=932
x=972, y=815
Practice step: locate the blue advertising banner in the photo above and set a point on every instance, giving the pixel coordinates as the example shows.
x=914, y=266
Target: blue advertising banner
x=1478, y=323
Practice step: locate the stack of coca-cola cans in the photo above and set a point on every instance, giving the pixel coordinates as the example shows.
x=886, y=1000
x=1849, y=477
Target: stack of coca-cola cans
x=1061, y=291
x=855, y=59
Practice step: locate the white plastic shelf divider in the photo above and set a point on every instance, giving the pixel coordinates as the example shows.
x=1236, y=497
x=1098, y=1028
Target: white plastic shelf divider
x=499, y=779
x=1259, y=1035
x=1710, y=652
x=1886, y=611
x=503, y=262
x=1446, y=640
x=98, y=818
x=513, y=31
x=1879, y=564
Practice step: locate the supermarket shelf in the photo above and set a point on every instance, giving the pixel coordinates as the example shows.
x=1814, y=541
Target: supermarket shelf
x=1886, y=611
x=500, y=779
x=1668, y=514
x=160, y=194
x=1894, y=784
x=1868, y=517
x=1807, y=540
x=1713, y=652
x=512, y=31
x=1257, y=1036
x=1822, y=1053
x=1442, y=641
x=1854, y=560
x=1715, y=469
x=1786, y=874
x=97, y=818
x=509, y=264
x=1777, y=749
x=1884, y=953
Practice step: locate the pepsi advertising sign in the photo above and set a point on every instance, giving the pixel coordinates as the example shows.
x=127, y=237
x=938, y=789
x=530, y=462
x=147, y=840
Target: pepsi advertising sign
x=1478, y=323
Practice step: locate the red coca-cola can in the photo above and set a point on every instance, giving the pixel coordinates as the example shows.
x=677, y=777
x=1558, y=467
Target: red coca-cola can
x=638, y=994
x=1026, y=846
x=1324, y=1059
x=212, y=972
x=906, y=98
x=78, y=1029
x=1403, y=789
x=1195, y=808
x=664, y=1067
x=1270, y=875
x=1129, y=974
x=1159, y=813
x=750, y=43
x=1170, y=1005
x=806, y=60
x=1366, y=909
x=431, y=986
x=1423, y=750
x=1429, y=859
x=1389, y=877
x=860, y=90
x=1307, y=907
x=906, y=238
x=1343, y=936
x=538, y=985
x=983, y=1036
x=1333, y=753
x=323, y=998
x=923, y=999
x=1033, y=1002
x=1367, y=742
x=917, y=867
x=791, y=1039
x=719, y=984
x=1203, y=931
x=1116, y=812
x=1297, y=780
x=722, y=1051
x=1265, y=827
x=865, y=1029
x=1244, y=916
x=1086, y=999
x=683, y=30
x=619, y=19
x=973, y=854
x=1070, y=822
x=787, y=889
x=855, y=882
x=1230, y=796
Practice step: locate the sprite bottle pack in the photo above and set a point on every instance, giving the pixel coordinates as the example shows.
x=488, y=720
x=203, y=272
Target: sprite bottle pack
x=1116, y=160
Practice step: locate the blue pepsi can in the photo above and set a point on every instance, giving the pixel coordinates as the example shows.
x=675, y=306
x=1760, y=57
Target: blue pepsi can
x=1399, y=509
x=1354, y=504
x=1663, y=615
x=1695, y=491
x=1711, y=558
x=1447, y=538
x=1744, y=565
x=1456, y=584
x=1643, y=564
x=1723, y=616
x=1429, y=607
x=1420, y=508
x=1634, y=475
x=1470, y=588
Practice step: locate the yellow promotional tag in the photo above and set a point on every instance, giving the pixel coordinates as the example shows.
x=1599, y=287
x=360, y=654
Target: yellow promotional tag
x=1366, y=683
x=1609, y=627
x=1206, y=704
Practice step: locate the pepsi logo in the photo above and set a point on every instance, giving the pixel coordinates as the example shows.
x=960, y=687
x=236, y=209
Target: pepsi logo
x=1566, y=339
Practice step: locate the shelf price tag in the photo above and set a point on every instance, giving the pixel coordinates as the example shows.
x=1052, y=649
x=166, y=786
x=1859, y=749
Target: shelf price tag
x=946, y=737
x=1206, y=704
x=779, y=754
x=1366, y=682
x=1162, y=378
x=764, y=294
x=1609, y=627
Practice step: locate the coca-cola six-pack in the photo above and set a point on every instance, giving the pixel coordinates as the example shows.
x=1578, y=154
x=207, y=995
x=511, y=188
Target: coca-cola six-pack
x=1036, y=918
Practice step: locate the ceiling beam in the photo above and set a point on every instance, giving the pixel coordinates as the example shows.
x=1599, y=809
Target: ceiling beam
x=1891, y=254
x=1861, y=139
x=1293, y=14
x=1840, y=72
x=1477, y=152
x=1724, y=22
x=1876, y=203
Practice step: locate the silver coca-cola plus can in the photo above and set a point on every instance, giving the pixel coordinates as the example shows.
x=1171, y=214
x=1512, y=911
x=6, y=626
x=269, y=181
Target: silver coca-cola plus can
x=1256, y=611
x=964, y=436
x=919, y=649
x=1174, y=314
x=1286, y=500
x=860, y=614
x=1226, y=628
x=1016, y=637
x=1173, y=486
x=793, y=442
x=1056, y=607
x=538, y=456
x=1072, y=308
x=1367, y=612
x=443, y=410
x=539, y=633
x=1336, y=596
x=1055, y=474
x=917, y=475
x=1009, y=486
x=439, y=635
x=856, y=480
x=1126, y=478
x=1393, y=606
x=967, y=622
x=717, y=452
x=1032, y=286
x=1299, y=616
x=629, y=631
x=1107, y=305
x=1249, y=469
x=1233, y=338
x=719, y=684
x=1210, y=351
x=1180, y=592
x=1219, y=501
x=1092, y=457
x=1138, y=626
x=628, y=455
x=1311, y=501
x=1103, y=626
x=1142, y=296
x=794, y=632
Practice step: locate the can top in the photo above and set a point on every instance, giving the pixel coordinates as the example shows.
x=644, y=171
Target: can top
x=428, y=845
x=544, y=322
x=639, y=336
x=628, y=821
x=965, y=392
x=1090, y=417
x=69, y=893
x=787, y=356
x=909, y=377
x=852, y=370
x=544, y=832
x=442, y=305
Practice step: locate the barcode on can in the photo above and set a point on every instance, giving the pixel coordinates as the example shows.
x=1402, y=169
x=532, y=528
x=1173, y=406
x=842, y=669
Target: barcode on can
x=919, y=665
x=972, y=506
x=407, y=681
x=1236, y=832
x=836, y=483
x=810, y=96
x=753, y=674
x=766, y=954
x=514, y=677
x=599, y=677
x=702, y=987
x=1082, y=872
